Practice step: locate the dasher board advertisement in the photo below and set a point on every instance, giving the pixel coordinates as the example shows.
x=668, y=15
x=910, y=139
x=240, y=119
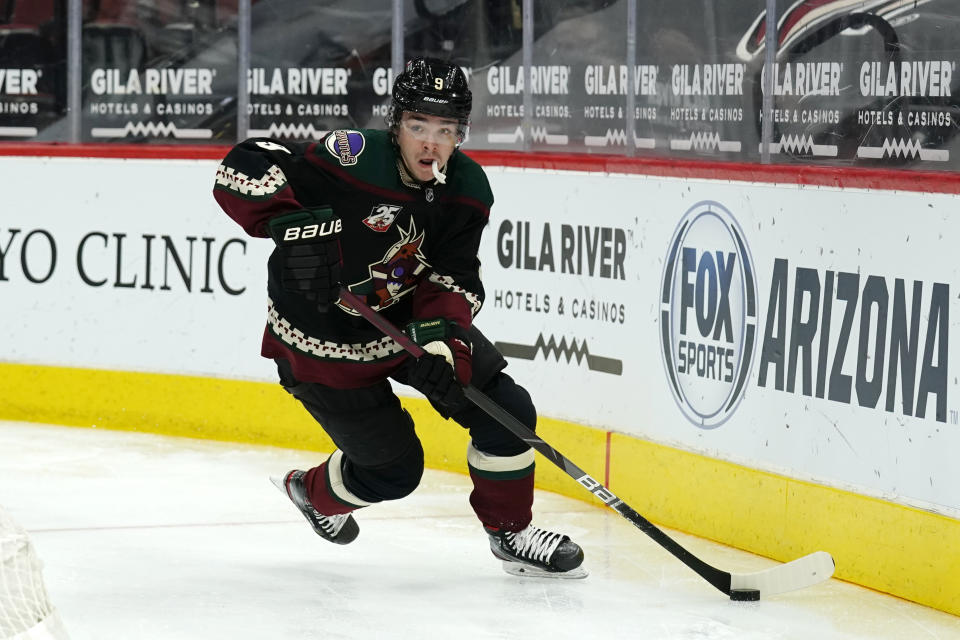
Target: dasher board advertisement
x=803, y=330
x=129, y=265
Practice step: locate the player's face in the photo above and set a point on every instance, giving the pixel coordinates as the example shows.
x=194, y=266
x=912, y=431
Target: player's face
x=424, y=139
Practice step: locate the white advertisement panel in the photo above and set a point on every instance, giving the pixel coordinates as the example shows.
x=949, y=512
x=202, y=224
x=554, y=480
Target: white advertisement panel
x=800, y=330
x=128, y=265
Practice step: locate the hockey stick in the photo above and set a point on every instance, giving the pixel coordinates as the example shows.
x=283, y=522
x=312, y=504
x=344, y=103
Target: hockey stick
x=797, y=574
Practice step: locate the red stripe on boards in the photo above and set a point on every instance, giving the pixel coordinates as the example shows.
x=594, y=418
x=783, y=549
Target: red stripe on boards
x=845, y=177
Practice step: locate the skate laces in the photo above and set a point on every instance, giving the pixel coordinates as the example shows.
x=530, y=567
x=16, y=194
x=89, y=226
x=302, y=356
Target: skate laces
x=330, y=524
x=534, y=543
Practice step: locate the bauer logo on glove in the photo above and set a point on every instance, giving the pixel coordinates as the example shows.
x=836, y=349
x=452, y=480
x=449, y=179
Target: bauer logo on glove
x=309, y=231
x=308, y=242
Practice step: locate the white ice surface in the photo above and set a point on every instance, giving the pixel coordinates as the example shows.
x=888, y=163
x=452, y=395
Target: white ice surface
x=150, y=537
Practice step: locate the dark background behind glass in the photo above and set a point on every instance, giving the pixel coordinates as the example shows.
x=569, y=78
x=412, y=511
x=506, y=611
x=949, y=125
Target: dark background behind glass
x=165, y=71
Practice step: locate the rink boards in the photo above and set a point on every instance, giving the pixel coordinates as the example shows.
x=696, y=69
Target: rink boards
x=762, y=363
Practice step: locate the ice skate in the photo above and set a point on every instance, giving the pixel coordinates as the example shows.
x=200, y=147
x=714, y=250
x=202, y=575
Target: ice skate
x=339, y=529
x=535, y=552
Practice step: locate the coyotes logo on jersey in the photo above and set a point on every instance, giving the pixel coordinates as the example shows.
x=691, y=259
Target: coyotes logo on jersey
x=395, y=275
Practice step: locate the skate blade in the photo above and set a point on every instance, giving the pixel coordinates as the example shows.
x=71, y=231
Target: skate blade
x=526, y=571
x=278, y=483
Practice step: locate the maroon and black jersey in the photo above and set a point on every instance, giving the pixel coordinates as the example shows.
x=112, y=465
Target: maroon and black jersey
x=409, y=248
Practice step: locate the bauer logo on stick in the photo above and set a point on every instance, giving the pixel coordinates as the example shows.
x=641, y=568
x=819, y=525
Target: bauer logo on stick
x=708, y=314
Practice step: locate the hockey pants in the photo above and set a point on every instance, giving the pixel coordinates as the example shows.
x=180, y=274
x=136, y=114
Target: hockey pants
x=379, y=456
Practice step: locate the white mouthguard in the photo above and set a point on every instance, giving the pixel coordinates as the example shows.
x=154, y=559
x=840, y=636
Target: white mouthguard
x=441, y=178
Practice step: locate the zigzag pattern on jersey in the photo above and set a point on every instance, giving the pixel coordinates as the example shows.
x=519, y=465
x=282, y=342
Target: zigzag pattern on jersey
x=372, y=351
x=450, y=285
x=268, y=184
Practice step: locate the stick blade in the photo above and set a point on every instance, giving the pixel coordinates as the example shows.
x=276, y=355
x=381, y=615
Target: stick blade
x=796, y=574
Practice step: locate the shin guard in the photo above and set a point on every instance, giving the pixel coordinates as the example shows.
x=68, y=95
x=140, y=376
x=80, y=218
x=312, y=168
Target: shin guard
x=326, y=490
x=502, y=494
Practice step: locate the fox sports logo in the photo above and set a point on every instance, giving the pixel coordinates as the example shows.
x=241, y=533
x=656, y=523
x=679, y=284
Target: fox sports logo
x=708, y=314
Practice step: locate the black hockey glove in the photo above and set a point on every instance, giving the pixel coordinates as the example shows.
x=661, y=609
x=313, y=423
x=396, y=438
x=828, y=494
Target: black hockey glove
x=439, y=373
x=309, y=245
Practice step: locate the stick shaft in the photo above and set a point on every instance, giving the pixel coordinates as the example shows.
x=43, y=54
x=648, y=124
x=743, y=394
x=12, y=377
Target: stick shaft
x=716, y=577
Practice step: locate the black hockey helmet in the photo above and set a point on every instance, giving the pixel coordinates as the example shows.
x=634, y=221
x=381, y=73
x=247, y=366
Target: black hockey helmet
x=434, y=87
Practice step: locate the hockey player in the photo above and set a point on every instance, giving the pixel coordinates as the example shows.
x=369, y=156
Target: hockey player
x=395, y=217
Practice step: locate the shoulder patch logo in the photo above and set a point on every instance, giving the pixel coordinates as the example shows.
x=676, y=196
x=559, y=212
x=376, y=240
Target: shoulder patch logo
x=345, y=145
x=382, y=216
